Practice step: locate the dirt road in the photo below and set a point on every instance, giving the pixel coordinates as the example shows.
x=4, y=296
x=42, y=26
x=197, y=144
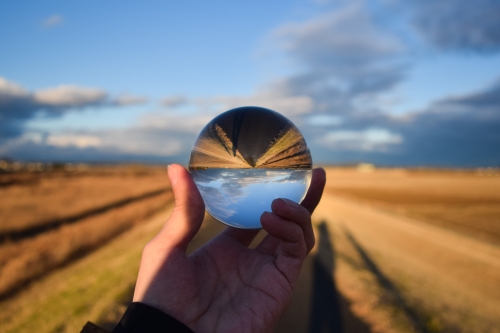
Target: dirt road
x=434, y=279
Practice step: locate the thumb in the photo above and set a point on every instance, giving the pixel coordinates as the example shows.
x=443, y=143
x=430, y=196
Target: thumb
x=188, y=213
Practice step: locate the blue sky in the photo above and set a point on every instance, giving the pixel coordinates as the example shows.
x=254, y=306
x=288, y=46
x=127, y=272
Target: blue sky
x=390, y=82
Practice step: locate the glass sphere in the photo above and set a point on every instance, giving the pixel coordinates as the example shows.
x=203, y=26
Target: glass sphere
x=244, y=159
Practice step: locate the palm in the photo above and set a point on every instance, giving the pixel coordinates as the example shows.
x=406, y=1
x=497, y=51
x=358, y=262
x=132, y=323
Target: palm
x=238, y=273
x=224, y=286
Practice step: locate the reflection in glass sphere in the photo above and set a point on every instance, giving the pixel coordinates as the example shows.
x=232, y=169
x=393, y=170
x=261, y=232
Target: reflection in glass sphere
x=244, y=159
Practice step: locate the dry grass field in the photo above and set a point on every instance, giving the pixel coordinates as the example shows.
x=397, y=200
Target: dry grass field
x=49, y=219
x=464, y=201
x=402, y=250
x=32, y=201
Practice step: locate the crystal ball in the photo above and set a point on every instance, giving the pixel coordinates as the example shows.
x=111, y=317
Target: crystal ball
x=244, y=159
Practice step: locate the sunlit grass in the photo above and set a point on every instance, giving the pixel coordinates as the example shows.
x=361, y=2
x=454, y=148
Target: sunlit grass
x=82, y=291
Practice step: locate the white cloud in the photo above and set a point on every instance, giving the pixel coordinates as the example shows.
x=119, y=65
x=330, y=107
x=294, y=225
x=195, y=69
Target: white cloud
x=134, y=141
x=69, y=96
x=18, y=105
x=11, y=90
x=125, y=100
x=348, y=34
x=286, y=105
x=143, y=142
x=52, y=21
x=188, y=123
x=174, y=101
x=344, y=61
x=371, y=139
x=324, y=120
x=68, y=140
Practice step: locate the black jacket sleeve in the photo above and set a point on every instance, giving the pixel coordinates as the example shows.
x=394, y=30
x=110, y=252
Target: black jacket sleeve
x=142, y=318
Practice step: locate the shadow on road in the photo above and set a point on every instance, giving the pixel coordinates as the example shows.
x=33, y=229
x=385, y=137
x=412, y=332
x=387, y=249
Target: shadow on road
x=387, y=285
x=330, y=312
x=325, y=306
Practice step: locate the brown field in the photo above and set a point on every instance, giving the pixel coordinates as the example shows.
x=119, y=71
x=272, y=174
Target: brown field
x=403, y=250
x=31, y=200
x=464, y=201
x=56, y=217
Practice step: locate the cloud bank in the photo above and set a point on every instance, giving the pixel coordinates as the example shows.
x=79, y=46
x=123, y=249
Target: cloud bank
x=18, y=105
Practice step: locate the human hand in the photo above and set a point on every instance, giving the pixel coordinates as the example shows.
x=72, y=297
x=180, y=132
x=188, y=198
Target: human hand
x=224, y=286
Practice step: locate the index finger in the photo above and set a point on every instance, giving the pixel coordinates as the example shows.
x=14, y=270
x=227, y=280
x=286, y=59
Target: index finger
x=315, y=191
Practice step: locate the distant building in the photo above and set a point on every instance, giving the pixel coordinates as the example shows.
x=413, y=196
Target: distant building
x=365, y=167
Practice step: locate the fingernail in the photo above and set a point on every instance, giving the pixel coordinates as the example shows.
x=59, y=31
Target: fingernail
x=172, y=174
x=266, y=213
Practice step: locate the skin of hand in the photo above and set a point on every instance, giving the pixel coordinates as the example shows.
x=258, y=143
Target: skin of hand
x=225, y=286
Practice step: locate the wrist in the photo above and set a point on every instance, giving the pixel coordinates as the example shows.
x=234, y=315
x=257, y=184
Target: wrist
x=141, y=317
